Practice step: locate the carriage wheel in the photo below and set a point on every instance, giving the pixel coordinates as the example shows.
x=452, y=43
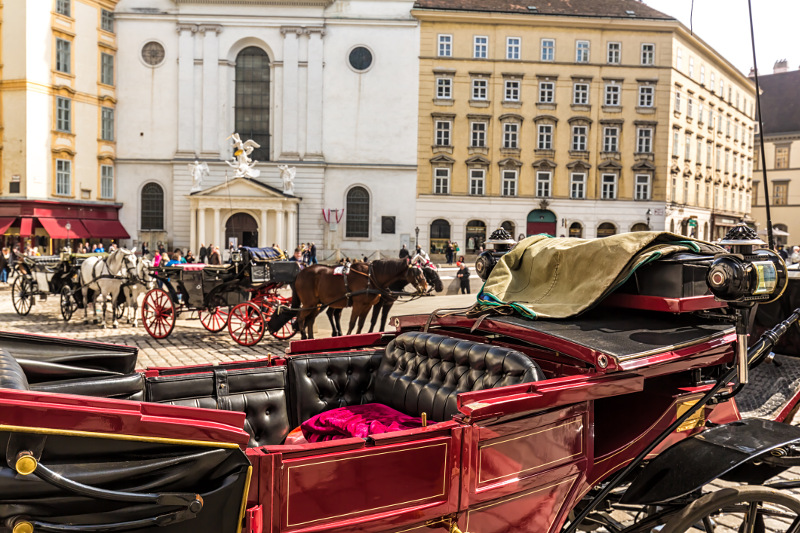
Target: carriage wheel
x=214, y=319
x=158, y=313
x=748, y=508
x=288, y=330
x=68, y=304
x=246, y=324
x=22, y=295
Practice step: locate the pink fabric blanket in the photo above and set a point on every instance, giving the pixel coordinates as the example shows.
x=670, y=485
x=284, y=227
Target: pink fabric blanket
x=357, y=421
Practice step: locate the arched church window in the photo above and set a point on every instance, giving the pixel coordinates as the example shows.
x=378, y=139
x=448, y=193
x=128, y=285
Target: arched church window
x=152, y=207
x=357, y=213
x=252, y=99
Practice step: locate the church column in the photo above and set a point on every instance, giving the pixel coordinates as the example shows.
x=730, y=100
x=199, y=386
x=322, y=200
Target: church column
x=192, y=228
x=186, y=88
x=262, y=231
x=280, y=236
x=290, y=229
x=201, y=226
x=210, y=88
x=314, y=88
x=216, y=231
x=290, y=92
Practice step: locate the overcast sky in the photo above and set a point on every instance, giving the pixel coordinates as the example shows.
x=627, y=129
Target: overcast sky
x=724, y=24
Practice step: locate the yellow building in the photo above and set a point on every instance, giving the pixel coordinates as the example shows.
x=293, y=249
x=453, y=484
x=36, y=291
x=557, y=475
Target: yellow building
x=582, y=118
x=57, y=103
x=781, y=118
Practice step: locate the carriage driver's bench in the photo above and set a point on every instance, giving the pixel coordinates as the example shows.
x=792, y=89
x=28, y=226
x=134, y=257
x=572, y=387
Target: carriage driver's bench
x=418, y=373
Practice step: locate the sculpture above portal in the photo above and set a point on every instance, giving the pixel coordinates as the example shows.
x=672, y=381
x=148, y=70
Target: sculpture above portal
x=198, y=171
x=287, y=176
x=242, y=164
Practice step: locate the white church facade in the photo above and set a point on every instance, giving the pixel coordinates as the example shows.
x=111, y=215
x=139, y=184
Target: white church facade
x=326, y=87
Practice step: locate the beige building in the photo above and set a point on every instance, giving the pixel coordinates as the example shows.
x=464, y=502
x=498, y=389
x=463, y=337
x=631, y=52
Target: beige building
x=582, y=118
x=781, y=120
x=57, y=104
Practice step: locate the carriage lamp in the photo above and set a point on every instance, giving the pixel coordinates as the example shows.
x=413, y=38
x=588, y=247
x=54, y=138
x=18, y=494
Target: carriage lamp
x=742, y=278
x=501, y=242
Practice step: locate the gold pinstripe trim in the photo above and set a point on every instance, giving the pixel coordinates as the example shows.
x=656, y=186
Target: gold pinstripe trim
x=116, y=436
x=244, y=498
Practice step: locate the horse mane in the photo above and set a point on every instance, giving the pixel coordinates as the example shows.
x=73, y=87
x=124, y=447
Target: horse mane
x=391, y=267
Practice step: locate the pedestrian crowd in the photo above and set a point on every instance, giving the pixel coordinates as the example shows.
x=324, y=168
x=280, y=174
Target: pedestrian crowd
x=790, y=255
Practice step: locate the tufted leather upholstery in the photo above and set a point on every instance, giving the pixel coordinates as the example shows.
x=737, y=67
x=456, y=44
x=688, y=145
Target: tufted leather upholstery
x=424, y=372
x=321, y=382
x=260, y=393
x=124, y=387
x=11, y=374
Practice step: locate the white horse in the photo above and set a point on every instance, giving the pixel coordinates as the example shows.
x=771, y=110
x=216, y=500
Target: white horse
x=133, y=289
x=105, y=277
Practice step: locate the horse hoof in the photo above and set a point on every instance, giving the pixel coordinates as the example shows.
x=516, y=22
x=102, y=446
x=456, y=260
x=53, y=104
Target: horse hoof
x=95, y=321
x=116, y=326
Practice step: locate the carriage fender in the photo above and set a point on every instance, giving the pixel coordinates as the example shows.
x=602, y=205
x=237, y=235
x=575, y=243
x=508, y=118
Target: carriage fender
x=693, y=462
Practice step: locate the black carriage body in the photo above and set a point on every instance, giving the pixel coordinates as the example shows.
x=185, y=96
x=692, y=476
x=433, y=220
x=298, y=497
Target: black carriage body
x=211, y=286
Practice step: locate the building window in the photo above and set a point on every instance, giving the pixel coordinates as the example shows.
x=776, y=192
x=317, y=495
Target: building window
x=153, y=53
x=687, y=146
x=152, y=207
x=702, y=74
x=577, y=186
x=63, y=177
x=644, y=140
x=546, y=92
x=548, y=50
x=251, y=105
x=711, y=119
x=580, y=93
x=441, y=181
x=444, y=88
x=64, y=7
x=582, y=52
x=782, y=157
x=107, y=20
x=699, y=151
x=481, y=50
x=477, y=178
x=612, y=95
x=648, y=54
x=512, y=90
x=511, y=135
x=513, y=45
x=357, y=214
x=678, y=58
x=701, y=110
x=677, y=101
x=545, y=138
x=642, y=191
x=509, y=183
x=719, y=122
x=691, y=67
x=107, y=124
x=478, y=135
x=479, y=88
x=610, y=139
x=579, y=138
x=722, y=88
x=676, y=144
x=609, y=187
x=719, y=158
x=107, y=69
x=646, y=95
x=712, y=84
x=106, y=181
x=63, y=114
x=443, y=133
x=614, y=53
x=63, y=55
x=445, y=45
x=543, y=184
x=690, y=107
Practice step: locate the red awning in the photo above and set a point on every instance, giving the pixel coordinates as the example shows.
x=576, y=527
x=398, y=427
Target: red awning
x=25, y=227
x=57, y=228
x=5, y=223
x=105, y=229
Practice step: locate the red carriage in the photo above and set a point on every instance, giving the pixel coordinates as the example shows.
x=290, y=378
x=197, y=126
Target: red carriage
x=240, y=296
x=501, y=423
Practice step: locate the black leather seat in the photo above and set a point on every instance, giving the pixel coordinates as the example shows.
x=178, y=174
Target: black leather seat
x=425, y=372
x=11, y=374
x=122, y=387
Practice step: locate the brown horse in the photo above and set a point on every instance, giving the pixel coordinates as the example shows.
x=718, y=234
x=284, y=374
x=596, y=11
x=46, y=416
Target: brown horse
x=318, y=287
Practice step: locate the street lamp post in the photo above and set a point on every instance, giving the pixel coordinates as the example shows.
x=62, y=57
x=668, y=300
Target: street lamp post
x=649, y=212
x=416, y=239
x=69, y=236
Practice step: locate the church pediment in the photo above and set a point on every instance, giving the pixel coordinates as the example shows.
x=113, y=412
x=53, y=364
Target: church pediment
x=242, y=188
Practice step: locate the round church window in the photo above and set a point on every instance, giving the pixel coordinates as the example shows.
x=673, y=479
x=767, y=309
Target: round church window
x=360, y=58
x=153, y=53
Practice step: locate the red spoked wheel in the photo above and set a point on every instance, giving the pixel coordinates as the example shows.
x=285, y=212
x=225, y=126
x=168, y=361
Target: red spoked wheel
x=288, y=330
x=214, y=319
x=246, y=324
x=158, y=313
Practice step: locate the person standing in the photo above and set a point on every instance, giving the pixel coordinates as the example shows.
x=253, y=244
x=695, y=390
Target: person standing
x=214, y=258
x=463, y=278
x=448, y=253
x=4, y=266
x=313, y=253
x=404, y=252
x=209, y=250
x=203, y=253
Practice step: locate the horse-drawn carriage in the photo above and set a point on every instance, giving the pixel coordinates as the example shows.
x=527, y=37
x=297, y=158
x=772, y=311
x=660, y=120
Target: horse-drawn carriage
x=241, y=295
x=614, y=419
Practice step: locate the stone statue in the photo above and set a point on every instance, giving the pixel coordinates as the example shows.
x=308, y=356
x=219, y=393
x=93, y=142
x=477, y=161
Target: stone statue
x=198, y=171
x=242, y=164
x=287, y=175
